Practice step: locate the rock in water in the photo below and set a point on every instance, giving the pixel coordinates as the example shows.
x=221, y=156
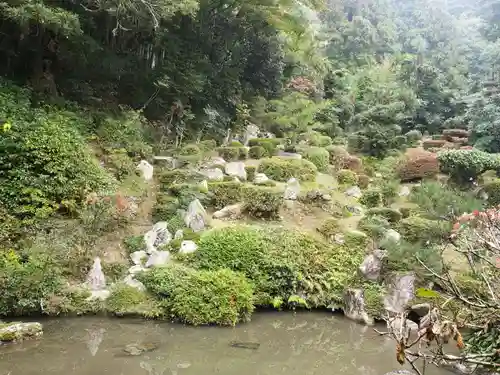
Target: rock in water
x=146, y=169
x=196, y=217
x=96, y=279
x=236, y=169
x=400, y=293
x=138, y=349
x=245, y=345
x=157, y=236
x=354, y=306
x=95, y=337
x=372, y=265
x=12, y=332
x=292, y=189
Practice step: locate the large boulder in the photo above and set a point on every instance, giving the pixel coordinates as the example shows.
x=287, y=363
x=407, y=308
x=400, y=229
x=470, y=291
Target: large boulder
x=372, y=265
x=212, y=174
x=157, y=236
x=146, y=169
x=401, y=291
x=12, y=332
x=292, y=189
x=196, y=216
x=158, y=259
x=236, y=169
x=354, y=306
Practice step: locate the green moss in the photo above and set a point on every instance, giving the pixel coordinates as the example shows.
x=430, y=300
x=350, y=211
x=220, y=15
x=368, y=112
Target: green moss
x=329, y=227
x=282, y=169
x=200, y=297
x=269, y=144
x=127, y=300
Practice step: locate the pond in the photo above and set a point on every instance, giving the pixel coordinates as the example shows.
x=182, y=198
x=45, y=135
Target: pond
x=293, y=344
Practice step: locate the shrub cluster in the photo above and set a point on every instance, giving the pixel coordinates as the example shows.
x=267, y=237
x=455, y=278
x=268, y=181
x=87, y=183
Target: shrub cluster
x=391, y=214
x=262, y=201
x=418, y=164
x=371, y=198
x=319, y=157
x=418, y=229
x=492, y=189
x=269, y=144
x=257, y=152
x=225, y=193
x=282, y=169
x=463, y=166
x=329, y=227
x=347, y=177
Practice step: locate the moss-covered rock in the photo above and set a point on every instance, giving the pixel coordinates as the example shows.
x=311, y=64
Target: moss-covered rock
x=126, y=300
x=12, y=332
x=391, y=214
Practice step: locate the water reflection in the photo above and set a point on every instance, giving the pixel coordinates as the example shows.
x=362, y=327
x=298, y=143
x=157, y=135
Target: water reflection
x=291, y=344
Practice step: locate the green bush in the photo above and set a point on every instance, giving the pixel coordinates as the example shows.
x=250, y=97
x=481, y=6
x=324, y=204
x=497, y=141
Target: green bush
x=363, y=181
x=418, y=229
x=282, y=169
x=329, y=227
x=437, y=201
x=338, y=156
x=242, y=153
x=402, y=257
x=250, y=169
x=120, y=163
x=374, y=226
x=229, y=153
x=165, y=207
x=463, y=166
x=208, y=145
x=190, y=150
x=400, y=142
x=257, y=152
x=235, y=144
x=25, y=283
x=262, y=201
x=126, y=300
x=225, y=193
x=319, y=157
x=282, y=264
x=391, y=214
x=321, y=141
x=371, y=198
x=44, y=160
x=200, y=297
x=347, y=177
x=269, y=144
x=354, y=239
x=413, y=136
x=389, y=190
x=176, y=176
x=134, y=243
x=493, y=190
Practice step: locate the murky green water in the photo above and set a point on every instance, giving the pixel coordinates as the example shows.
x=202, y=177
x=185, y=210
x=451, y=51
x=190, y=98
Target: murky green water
x=292, y=344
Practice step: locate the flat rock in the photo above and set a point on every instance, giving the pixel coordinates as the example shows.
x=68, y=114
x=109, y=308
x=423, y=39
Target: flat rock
x=13, y=332
x=158, y=259
x=232, y=211
x=213, y=174
x=134, y=270
x=138, y=257
x=188, y=247
x=260, y=178
x=236, y=169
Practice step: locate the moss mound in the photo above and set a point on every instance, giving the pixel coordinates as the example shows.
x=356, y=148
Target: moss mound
x=282, y=169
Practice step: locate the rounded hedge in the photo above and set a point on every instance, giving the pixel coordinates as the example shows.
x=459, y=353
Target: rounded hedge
x=319, y=157
x=282, y=169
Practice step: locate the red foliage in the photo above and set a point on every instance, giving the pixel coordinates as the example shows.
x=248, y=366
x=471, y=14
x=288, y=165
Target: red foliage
x=417, y=164
x=302, y=84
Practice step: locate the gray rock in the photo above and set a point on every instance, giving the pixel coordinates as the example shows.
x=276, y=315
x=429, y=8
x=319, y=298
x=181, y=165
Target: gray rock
x=99, y=295
x=134, y=270
x=138, y=349
x=179, y=234
x=213, y=174
x=13, y=332
x=229, y=212
x=252, y=131
x=188, y=247
x=158, y=259
x=138, y=257
x=292, y=189
x=260, y=178
x=146, y=169
x=217, y=160
x=203, y=186
x=166, y=161
x=339, y=238
x=354, y=306
x=354, y=191
x=327, y=197
x=236, y=169
x=391, y=236
x=372, y=265
x=401, y=291
x=355, y=210
x=95, y=278
x=196, y=217
x=158, y=236
x=404, y=192
x=130, y=281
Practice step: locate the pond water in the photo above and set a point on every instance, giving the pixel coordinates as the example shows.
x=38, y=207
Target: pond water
x=292, y=344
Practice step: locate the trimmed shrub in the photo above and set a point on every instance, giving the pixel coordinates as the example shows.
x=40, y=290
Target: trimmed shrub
x=261, y=201
x=201, y=297
x=418, y=229
x=391, y=214
x=250, y=169
x=282, y=264
x=242, y=153
x=493, y=190
x=229, y=153
x=176, y=176
x=363, y=181
x=371, y=198
x=269, y=144
x=353, y=163
x=126, y=300
x=433, y=143
x=400, y=142
x=235, y=144
x=282, y=169
x=413, y=136
x=463, y=166
x=389, y=191
x=166, y=206
x=417, y=164
x=208, y=145
x=320, y=140
x=347, y=177
x=257, y=152
x=355, y=239
x=374, y=226
x=329, y=227
x=134, y=243
x=319, y=157
x=225, y=193
x=120, y=163
x=338, y=156
x=189, y=150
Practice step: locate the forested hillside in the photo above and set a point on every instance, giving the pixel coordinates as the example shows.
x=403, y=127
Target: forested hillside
x=376, y=130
